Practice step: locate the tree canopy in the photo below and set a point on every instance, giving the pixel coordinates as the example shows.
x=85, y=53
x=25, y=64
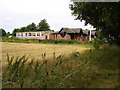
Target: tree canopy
x=8, y=34
x=103, y=16
x=15, y=30
x=31, y=27
x=2, y=32
x=43, y=25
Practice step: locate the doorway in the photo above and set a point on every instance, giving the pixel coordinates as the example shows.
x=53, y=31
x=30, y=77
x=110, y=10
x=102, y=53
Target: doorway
x=72, y=36
x=46, y=37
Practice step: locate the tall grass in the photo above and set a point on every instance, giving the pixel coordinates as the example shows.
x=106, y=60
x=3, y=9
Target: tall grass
x=77, y=70
x=56, y=73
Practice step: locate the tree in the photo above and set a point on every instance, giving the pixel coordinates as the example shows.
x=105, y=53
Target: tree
x=31, y=27
x=103, y=16
x=2, y=32
x=15, y=30
x=8, y=34
x=43, y=25
x=23, y=29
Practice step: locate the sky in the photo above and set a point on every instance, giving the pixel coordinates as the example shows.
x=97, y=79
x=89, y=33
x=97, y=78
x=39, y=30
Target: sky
x=20, y=13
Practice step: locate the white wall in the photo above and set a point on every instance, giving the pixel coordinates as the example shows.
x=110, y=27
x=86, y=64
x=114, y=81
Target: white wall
x=23, y=34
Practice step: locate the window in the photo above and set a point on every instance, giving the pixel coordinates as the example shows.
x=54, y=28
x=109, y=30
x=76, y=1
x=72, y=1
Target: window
x=38, y=34
x=34, y=34
x=21, y=34
x=25, y=34
x=42, y=34
x=29, y=34
x=17, y=34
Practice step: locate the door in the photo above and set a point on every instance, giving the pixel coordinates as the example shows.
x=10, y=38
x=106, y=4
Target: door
x=72, y=36
x=46, y=37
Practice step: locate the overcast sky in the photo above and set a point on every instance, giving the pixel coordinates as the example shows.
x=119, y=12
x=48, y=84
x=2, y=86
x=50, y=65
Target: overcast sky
x=19, y=13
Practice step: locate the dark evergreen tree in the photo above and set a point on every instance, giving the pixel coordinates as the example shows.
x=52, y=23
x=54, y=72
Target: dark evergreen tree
x=2, y=32
x=43, y=25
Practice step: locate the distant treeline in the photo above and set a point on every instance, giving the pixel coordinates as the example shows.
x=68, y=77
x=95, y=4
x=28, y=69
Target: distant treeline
x=42, y=26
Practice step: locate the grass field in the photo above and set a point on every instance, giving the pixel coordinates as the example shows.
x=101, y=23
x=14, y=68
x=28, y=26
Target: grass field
x=63, y=66
x=35, y=51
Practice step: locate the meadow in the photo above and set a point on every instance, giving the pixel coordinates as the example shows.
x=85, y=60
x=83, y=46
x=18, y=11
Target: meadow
x=35, y=50
x=35, y=65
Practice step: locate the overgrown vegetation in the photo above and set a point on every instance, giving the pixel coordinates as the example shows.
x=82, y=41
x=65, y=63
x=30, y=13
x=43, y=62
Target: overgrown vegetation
x=90, y=69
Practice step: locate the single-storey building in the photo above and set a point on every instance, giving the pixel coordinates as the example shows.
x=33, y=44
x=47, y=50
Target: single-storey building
x=33, y=35
x=64, y=33
x=73, y=34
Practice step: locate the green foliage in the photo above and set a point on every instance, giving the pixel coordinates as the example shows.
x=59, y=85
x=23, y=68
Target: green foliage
x=15, y=30
x=2, y=32
x=43, y=25
x=98, y=41
x=99, y=34
x=23, y=29
x=8, y=34
x=52, y=41
x=103, y=16
x=60, y=41
x=96, y=46
x=77, y=70
x=44, y=74
x=31, y=27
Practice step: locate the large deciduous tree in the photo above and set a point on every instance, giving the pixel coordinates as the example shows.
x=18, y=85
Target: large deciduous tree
x=104, y=16
x=43, y=25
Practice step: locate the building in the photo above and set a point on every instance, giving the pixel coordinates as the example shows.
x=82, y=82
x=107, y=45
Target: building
x=64, y=33
x=33, y=35
x=73, y=34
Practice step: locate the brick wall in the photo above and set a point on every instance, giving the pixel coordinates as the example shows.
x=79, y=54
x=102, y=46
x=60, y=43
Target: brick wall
x=68, y=37
x=58, y=36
